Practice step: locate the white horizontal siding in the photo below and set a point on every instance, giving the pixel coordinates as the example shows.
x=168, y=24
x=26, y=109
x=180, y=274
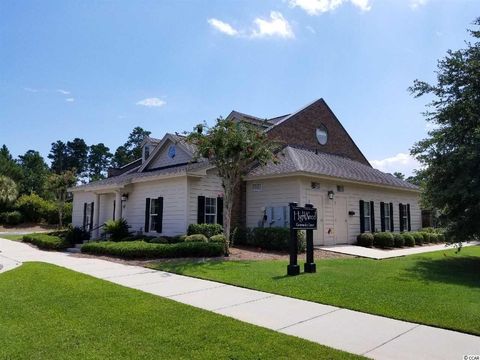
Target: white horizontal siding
x=208, y=186
x=275, y=192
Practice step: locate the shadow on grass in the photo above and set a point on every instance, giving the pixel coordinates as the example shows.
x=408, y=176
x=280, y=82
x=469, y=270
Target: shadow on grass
x=464, y=270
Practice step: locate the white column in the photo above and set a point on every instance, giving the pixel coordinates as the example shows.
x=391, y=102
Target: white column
x=118, y=205
x=96, y=217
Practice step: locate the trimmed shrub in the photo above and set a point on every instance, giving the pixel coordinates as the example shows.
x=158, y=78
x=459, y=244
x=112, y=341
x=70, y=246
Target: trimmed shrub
x=196, y=238
x=33, y=207
x=383, y=240
x=426, y=237
x=157, y=240
x=75, y=235
x=11, y=218
x=365, y=240
x=117, y=229
x=418, y=238
x=144, y=250
x=409, y=239
x=434, y=238
x=275, y=238
x=206, y=229
x=46, y=241
x=220, y=238
x=398, y=240
x=441, y=238
x=240, y=236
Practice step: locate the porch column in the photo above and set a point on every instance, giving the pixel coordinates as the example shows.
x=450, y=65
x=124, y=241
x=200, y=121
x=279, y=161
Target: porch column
x=96, y=217
x=118, y=205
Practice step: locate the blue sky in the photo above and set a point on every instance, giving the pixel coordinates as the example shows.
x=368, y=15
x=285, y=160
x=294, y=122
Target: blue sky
x=96, y=69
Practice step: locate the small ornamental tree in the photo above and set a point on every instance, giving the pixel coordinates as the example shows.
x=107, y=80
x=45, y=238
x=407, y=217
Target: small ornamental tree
x=232, y=147
x=58, y=185
x=8, y=191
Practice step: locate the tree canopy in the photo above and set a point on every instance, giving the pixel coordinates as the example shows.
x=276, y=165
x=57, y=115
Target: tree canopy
x=451, y=152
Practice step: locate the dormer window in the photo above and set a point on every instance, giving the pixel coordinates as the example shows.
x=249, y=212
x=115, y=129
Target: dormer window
x=322, y=135
x=146, y=152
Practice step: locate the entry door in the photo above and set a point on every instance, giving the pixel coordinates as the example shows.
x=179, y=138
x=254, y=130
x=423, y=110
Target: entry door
x=316, y=199
x=341, y=220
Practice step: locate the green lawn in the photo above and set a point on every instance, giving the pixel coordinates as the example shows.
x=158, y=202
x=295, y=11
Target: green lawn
x=439, y=288
x=47, y=312
x=12, y=237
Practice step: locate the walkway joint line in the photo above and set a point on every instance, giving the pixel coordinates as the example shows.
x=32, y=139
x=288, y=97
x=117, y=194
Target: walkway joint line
x=309, y=319
x=245, y=302
x=395, y=337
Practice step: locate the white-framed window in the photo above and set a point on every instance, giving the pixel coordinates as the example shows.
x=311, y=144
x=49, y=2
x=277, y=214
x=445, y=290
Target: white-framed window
x=210, y=210
x=387, y=216
x=154, y=211
x=88, y=216
x=405, y=217
x=257, y=187
x=367, y=222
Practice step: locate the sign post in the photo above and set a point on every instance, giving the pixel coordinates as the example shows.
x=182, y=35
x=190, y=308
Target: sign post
x=301, y=218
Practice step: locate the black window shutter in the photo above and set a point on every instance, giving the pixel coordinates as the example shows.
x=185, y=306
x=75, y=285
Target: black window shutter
x=372, y=215
x=201, y=210
x=91, y=216
x=220, y=210
x=147, y=215
x=158, y=227
x=84, y=216
x=382, y=215
x=391, y=217
x=400, y=214
x=362, y=217
x=409, y=226
x=113, y=216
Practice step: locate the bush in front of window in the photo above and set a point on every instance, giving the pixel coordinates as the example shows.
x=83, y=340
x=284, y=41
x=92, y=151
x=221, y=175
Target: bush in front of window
x=206, y=229
x=196, y=238
x=145, y=250
x=365, y=240
x=426, y=237
x=418, y=238
x=398, y=240
x=275, y=238
x=409, y=239
x=220, y=238
x=46, y=242
x=383, y=240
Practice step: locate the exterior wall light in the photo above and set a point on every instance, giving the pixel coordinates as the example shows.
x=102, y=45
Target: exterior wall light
x=330, y=194
x=124, y=197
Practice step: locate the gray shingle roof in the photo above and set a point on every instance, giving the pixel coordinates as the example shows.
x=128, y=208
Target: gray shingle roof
x=294, y=160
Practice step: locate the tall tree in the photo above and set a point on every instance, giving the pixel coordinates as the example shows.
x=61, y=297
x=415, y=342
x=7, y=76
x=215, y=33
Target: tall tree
x=132, y=149
x=8, y=191
x=58, y=185
x=8, y=166
x=35, y=172
x=77, y=156
x=231, y=148
x=58, y=155
x=451, y=152
x=99, y=159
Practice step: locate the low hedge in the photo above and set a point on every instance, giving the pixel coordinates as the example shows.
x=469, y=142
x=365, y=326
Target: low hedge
x=383, y=240
x=275, y=238
x=409, y=239
x=196, y=238
x=398, y=240
x=418, y=238
x=144, y=250
x=220, y=238
x=426, y=237
x=365, y=240
x=205, y=229
x=46, y=242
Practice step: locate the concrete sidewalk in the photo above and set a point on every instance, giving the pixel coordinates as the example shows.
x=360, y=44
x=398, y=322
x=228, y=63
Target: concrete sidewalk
x=359, y=333
x=378, y=254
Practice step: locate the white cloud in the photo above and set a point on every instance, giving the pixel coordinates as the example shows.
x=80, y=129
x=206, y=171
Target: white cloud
x=64, y=92
x=415, y=4
x=401, y=162
x=70, y=99
x=316, y=7
x=223, y=27
x=151, y=102
x=277, y=25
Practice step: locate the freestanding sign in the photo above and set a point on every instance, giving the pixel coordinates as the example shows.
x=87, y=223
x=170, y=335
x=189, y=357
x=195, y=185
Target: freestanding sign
x=302, y=218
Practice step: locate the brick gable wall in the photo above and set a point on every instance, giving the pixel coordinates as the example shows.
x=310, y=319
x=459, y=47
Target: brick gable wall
x=300, y=130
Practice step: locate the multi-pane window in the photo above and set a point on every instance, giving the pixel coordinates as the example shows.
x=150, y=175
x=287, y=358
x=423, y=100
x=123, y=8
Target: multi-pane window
x=405, y=217
x=210, y=210
x=387, y=216
x=154, y=211
x=367, y=223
